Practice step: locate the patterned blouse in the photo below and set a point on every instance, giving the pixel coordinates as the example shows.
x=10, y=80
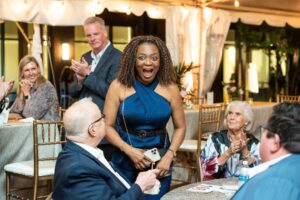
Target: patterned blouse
x=43, y=103
x=216, y=145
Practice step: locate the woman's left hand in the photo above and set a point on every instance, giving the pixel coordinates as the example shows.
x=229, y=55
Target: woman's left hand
x=244, y=140
x=164, y=165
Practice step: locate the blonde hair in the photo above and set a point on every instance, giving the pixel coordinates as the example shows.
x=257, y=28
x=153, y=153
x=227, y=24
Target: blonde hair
x=23, y=62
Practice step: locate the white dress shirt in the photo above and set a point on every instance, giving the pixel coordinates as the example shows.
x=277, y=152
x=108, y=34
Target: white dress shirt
x=262, y=167
x=98, y=153
x=96, y=58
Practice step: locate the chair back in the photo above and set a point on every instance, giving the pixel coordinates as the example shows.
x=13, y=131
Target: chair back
x=198, y=100
x=61, y=113
x=46, y=134
x=288, y=98
x=209, y=121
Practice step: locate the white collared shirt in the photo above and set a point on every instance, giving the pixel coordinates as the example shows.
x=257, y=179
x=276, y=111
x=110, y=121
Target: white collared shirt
x=262, y=167
x=98, y=153
x=96, y=58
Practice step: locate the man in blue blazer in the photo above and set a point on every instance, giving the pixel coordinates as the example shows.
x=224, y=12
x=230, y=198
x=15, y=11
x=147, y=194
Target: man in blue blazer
x=280, y=153
x=96, y=69
x=81, y=171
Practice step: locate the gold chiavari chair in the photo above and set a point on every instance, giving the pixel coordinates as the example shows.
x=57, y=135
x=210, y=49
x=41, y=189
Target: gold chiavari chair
x=61, y=112
x=288, y=98
x=198, y=101
x=47, y=143
x=209, y=121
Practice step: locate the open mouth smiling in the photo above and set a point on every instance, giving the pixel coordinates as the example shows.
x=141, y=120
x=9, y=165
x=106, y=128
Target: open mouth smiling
x=148, y=72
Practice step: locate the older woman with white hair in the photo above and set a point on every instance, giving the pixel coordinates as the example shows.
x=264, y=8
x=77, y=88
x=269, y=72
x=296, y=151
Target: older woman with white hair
x=225, y=150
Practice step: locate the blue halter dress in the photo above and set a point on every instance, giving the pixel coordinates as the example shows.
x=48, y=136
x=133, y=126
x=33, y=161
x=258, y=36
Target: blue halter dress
x=144, y=110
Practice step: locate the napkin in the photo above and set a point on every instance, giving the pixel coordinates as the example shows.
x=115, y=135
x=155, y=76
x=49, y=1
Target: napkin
x=28, y=119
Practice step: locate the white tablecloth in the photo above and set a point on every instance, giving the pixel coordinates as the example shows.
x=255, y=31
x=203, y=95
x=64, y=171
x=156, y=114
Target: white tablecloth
x=184, y=193
x=16, y=144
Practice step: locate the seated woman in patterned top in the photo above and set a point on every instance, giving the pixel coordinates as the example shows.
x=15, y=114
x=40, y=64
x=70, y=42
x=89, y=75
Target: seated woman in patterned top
x=224, y=151
x=36, y=97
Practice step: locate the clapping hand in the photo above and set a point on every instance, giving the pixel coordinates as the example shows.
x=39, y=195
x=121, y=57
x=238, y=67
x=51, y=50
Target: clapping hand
x=5, y=87
x=235, y=146
x=244, y=140
x=25, y=86
x=81, y=68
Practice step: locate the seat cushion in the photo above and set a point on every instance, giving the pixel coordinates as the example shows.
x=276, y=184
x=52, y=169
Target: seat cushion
x=190, y=145
x=46, y=168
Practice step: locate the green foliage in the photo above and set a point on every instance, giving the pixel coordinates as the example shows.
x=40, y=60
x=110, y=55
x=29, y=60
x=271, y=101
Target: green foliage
x=265, y=37
x=181, y=69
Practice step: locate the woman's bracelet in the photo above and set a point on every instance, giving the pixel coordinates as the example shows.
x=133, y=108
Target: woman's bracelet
x=174, y=152
x=247, y=156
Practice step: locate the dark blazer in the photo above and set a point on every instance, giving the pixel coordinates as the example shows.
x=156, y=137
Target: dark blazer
x=79, y=175
x=97, y=83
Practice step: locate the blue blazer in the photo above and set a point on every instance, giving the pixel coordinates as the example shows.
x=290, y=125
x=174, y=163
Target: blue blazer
x=79, y=175
x=279, y=182
x=98, y=82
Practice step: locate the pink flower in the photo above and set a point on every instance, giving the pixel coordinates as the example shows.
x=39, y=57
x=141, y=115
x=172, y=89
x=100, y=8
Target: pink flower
x=233, y=89
x=183, y=93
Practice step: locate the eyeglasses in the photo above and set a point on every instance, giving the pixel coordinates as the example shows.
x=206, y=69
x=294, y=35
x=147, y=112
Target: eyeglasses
x=262, y=129
x=100, y=118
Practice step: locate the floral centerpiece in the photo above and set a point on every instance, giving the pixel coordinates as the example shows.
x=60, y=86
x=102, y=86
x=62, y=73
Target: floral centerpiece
x=234, y=92
x=181, y=69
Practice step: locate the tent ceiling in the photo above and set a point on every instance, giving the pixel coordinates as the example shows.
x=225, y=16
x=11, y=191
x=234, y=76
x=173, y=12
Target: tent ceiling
x=290, y=7
x=43, y=12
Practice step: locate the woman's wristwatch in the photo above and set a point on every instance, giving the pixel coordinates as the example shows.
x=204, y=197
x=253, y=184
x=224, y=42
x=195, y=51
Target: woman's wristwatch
x=27, y=97
x=247, y=156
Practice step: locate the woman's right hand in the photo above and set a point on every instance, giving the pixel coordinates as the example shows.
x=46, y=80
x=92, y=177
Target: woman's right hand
x=25, y=86
x=235, y=146
x=138, y=158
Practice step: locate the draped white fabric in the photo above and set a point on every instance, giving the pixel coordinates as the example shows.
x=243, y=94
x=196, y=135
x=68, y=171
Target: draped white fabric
x=183, y=38
x=37, y=46
x=258, y=18
x=215, y=26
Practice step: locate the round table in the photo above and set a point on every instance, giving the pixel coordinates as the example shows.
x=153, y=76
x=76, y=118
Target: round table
x=182, y=193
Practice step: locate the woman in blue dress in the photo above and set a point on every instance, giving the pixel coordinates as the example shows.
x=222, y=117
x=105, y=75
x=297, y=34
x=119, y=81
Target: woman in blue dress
x=138, y=106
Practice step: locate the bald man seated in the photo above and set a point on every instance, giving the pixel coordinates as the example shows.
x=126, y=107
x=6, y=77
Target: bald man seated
x=81, y=171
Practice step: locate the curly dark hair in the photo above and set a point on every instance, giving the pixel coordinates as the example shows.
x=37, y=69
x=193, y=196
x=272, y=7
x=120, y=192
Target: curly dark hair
x=285, y=121
x=127, y=72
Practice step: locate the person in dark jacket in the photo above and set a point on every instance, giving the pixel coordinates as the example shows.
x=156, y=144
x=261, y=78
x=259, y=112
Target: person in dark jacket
x=81, y=171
